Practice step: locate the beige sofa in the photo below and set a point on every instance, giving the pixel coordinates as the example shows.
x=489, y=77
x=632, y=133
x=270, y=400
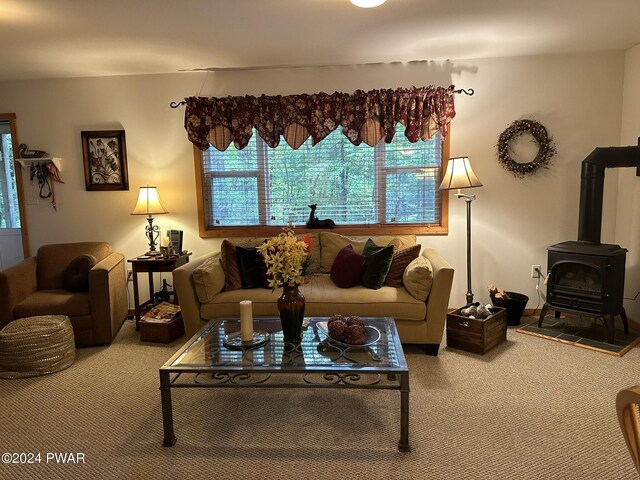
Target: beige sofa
x=418, y=322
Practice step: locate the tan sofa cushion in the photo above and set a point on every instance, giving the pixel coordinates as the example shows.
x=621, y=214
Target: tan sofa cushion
x=418, y=278
x=323, y=299
x=53, y=302
x=332, y=243
x=208, y=279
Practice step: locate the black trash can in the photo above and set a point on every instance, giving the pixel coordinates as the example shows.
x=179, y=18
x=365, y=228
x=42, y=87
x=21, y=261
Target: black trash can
x=515, y=306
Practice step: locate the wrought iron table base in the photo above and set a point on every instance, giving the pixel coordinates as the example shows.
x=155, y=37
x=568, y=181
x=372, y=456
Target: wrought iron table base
x=317, y=362
x=333, y=380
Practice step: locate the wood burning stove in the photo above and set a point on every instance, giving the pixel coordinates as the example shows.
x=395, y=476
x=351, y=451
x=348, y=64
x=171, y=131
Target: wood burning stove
x=587, y=277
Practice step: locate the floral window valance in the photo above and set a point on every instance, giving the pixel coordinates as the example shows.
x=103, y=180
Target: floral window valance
x=364, y=116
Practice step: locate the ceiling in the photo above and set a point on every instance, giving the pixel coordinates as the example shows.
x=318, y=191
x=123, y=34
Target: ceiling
x=79, y=38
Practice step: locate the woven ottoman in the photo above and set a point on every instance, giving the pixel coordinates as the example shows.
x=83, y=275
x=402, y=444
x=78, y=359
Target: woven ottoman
x=34, y=346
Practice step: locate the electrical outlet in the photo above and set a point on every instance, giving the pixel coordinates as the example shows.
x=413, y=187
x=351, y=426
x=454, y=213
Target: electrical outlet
x=535, y=269
x=129, y=275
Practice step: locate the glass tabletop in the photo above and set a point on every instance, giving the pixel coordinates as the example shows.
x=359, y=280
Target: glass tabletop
x=316, y=352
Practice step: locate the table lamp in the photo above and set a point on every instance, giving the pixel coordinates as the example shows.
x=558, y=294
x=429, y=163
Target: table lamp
x=149, y=204
x=459, y=174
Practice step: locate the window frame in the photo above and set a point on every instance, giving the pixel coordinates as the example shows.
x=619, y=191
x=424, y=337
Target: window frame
x=369, y=229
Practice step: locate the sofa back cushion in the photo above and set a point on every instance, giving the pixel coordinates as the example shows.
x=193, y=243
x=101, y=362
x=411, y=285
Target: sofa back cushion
x=332, y=243
x=348, y=267
x=53, y=260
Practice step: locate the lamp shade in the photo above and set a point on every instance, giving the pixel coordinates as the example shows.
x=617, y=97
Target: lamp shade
x=459, y=174
x=148, y=202
x=367, y=3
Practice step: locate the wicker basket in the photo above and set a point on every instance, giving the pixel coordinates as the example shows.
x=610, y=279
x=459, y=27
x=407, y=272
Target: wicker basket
x=163, y=332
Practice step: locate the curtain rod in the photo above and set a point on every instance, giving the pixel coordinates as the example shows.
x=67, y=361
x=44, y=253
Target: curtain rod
x=469, y=92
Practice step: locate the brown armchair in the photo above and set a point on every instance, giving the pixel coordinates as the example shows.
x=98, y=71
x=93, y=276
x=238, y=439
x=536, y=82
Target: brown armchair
x=36, y=286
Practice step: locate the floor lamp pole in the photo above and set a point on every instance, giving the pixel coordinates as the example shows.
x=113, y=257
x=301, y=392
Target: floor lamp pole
x=468, y=199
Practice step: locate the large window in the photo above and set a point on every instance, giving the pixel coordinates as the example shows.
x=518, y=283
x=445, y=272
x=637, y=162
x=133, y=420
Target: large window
x=9, y=211
x=388, y=187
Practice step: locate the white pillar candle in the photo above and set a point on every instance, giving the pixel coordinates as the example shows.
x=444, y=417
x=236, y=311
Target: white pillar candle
x=165, y=241
x=246, y=321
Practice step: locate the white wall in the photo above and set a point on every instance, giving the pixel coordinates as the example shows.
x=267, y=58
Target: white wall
x=628, y=223
x=577, y=97
x=10, y=247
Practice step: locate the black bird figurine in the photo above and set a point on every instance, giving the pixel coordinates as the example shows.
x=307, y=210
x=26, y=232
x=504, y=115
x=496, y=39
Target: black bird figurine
x=313, y=221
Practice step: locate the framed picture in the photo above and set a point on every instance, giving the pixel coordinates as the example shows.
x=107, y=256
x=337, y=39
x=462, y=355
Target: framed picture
x=105, y=160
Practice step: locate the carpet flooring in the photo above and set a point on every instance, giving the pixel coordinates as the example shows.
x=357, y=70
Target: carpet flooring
x=528, y=409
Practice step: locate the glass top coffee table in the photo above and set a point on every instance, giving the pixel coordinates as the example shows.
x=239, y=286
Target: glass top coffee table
x=211, y=359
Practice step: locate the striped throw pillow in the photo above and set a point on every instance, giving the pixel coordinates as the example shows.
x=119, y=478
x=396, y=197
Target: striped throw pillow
x=401, y=258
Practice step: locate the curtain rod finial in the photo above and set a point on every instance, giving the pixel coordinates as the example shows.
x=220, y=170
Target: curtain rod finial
x=469, y=91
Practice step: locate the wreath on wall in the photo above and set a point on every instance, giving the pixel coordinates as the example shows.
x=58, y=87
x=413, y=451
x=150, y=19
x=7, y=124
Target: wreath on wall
x=546, y=148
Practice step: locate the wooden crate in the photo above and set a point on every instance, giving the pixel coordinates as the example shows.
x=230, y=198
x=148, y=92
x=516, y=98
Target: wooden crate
x=475, y=335
x=163, y=332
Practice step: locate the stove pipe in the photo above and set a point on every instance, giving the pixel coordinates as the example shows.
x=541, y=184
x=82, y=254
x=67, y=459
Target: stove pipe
x=592, y=186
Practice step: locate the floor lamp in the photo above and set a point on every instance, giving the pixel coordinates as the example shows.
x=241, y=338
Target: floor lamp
x=460, y=175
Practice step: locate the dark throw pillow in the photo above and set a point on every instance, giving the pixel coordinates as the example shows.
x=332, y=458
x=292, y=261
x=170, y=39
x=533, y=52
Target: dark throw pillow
x=76, y=276
x=378, y=264
x=253, y=270
x=229, y=262
x=348, y=267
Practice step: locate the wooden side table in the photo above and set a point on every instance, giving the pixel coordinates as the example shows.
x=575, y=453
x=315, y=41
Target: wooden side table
x=151, y=265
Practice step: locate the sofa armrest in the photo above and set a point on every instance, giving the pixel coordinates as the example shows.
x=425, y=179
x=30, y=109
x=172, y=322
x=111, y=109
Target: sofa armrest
x=108, y=297
x=186, y=291
x=438, y=300
x=16, y=284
